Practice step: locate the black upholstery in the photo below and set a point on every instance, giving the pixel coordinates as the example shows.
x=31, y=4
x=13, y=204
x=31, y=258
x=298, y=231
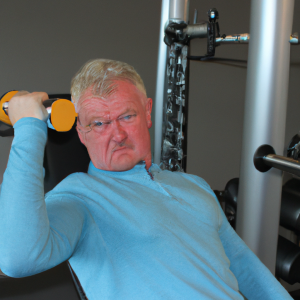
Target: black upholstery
x=290, y=205
x=56, y=283
x=64, y=154
x=288, y=253
x=288, y=261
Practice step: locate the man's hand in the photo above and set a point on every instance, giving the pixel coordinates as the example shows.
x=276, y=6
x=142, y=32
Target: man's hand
x=25, y=104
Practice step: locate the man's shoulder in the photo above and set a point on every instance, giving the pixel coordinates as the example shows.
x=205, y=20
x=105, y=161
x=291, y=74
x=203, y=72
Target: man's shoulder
x=74, y=178
x=72, y=184
x=182, y=179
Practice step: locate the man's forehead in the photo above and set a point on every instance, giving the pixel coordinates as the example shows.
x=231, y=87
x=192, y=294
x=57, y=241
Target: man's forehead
x=109, y=111
x=97, y=108
x=120, y=88
x=126, y=94
x=97, y=103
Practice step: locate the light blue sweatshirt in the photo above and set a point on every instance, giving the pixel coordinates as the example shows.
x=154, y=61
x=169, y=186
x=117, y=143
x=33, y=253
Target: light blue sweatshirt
x=126, y=235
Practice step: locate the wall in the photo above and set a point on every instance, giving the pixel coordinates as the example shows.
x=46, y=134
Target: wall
x=44, y=43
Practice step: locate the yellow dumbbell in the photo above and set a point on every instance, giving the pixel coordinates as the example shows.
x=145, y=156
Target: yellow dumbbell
x=61, y=111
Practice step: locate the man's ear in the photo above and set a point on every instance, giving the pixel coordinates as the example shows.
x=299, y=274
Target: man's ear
x=148, y=112
x=81, y=136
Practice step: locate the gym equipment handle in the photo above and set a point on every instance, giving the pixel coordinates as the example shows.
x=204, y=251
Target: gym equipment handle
x=265, y=158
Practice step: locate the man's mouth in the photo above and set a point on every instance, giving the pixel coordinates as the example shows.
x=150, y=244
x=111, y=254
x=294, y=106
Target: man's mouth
x=119, y=148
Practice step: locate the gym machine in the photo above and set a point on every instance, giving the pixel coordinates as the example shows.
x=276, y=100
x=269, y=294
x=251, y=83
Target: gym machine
x=255, y=206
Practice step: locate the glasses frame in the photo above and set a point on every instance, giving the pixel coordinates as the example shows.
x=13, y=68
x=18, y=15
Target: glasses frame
x=92, y=125
x=87, y=126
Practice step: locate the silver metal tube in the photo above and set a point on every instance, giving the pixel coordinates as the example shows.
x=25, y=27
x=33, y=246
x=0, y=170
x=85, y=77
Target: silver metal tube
x=244, y=38
x=161, y=82
x=234, y=39
x=258, y=205
x=179, y=9
x=197, y=31
x=195, y=16
x=283, y=163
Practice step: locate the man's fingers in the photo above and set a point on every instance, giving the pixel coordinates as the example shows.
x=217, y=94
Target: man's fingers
x=41, y=95
x=25, y=104
x=20, y=93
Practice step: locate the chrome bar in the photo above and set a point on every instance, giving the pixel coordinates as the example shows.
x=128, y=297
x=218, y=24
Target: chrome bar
x=244, y=38
x=259, y=195
x=161, y=82
x=197, y=31
x=195, y=16
x=179, y=9
x=234, y=39
x=283, y=163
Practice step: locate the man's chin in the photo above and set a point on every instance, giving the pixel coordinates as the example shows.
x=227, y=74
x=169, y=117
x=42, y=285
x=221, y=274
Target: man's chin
x=122, y=167
x=123, y=163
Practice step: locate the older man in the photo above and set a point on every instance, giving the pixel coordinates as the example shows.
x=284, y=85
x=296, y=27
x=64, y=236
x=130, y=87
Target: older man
x=129, y=229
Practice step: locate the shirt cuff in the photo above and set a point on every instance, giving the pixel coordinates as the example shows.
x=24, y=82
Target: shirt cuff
x=32, y=122
x=31, y=127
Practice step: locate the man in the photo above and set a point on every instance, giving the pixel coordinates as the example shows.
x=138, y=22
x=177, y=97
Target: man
x=129, y=229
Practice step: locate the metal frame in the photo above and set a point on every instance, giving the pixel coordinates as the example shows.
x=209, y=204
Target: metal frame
x=171, y=9
x=259, y=196
x=160, y=82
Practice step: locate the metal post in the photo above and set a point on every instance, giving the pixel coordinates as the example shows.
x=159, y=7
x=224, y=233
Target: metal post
x=170, y=9
x=258, y=205
x=179, y=9
x=160, y=82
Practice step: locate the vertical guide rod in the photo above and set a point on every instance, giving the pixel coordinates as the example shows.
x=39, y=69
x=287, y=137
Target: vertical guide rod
x=259, y=197
x=170, y=9
x=179, y=9
x=161, y=82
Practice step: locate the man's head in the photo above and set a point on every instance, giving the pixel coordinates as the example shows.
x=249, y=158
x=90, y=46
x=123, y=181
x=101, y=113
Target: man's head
x=101, y=75
x=114, y=114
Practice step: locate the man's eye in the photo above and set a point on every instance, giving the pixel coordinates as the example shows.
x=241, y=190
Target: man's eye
x=129, y=117
x=98, y=124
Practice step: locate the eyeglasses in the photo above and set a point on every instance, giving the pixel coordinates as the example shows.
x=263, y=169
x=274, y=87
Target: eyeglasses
x=98, y=126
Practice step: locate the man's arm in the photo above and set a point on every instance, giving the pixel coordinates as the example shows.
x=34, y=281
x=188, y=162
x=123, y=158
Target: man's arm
x=30, y=241
x=254, y=278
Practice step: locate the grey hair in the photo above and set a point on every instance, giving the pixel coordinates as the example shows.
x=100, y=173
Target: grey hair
x=101, y=75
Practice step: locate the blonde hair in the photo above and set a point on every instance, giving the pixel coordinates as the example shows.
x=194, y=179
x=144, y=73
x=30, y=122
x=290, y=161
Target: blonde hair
x=101, y=75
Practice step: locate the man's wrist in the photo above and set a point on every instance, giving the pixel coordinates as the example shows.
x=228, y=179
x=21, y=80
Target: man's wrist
x=30, y=121
x=30, y=126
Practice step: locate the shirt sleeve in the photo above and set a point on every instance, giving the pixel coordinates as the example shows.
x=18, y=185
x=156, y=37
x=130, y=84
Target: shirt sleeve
x=254, y=278
x=34, y=236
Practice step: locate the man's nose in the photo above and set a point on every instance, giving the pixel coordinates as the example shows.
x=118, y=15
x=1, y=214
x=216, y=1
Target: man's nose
x=119, y=132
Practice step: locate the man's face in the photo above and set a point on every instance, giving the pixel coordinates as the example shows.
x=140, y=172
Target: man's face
x=123, y=139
